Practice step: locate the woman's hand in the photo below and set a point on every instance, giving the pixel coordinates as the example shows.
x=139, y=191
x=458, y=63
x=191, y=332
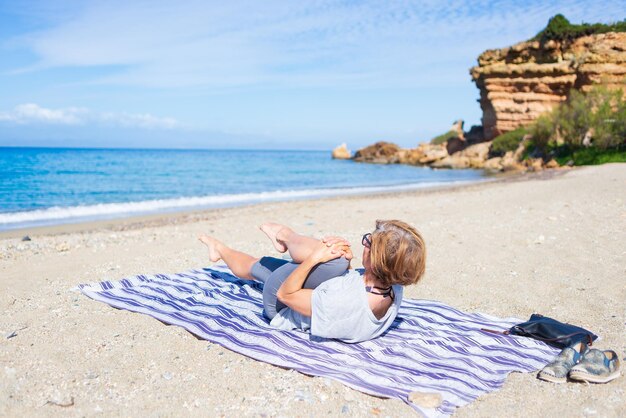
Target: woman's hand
x=325, y=252
x=343, y=244
x=331, y=239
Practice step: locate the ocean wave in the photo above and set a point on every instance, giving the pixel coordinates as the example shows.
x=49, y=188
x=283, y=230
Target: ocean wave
x=56, y=215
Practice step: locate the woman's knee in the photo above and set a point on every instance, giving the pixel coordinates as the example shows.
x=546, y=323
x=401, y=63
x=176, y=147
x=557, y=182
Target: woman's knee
x=263, y=268
x=326, y=271
x=337, y=266
x=271, y=285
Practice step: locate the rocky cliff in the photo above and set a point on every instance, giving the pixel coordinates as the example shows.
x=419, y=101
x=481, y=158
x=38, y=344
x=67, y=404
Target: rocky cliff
x=520, y=82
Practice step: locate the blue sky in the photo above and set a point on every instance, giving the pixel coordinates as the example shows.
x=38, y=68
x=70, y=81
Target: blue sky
x=252, y=74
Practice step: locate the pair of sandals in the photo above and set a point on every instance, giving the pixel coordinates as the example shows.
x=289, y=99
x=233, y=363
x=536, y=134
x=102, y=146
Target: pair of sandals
x=578, y=362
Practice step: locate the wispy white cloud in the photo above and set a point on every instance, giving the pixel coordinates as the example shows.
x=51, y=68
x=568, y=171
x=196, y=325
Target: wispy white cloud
x=325, y=42
x=31, y=113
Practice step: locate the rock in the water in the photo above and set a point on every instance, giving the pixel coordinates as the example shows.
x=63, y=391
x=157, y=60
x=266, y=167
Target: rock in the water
x=379, y=153
x=426, y=399
x=341, y=152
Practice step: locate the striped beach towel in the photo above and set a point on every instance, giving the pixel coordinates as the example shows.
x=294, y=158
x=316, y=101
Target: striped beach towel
x=431, y=347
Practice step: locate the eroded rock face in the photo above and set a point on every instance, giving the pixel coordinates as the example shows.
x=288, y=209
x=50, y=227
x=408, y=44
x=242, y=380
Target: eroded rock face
x=455, y=144
x=378, y=153
x=455, y=161
x=520, y=82
x=432, y=153
x=475, y=135
x=410, y=156
x=479, y=151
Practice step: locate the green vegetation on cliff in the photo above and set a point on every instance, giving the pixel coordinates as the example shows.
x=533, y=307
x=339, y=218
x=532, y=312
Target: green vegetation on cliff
x=587, y=129
x=508, y=141
x=560, y=29
x=443, y=138
x=596, y=119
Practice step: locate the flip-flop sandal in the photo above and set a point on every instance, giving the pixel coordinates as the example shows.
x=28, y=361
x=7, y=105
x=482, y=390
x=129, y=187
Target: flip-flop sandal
x=597, y=367
x=556, y=371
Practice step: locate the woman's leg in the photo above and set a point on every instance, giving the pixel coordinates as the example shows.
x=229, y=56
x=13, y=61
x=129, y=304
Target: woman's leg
x=318, y=275
x=239, y=263
x=284, y=238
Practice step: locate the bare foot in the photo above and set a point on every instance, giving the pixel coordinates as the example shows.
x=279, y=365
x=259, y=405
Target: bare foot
x=212, y=244
x=272, y=231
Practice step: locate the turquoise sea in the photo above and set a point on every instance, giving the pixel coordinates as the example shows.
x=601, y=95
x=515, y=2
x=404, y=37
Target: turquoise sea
x=46, y=186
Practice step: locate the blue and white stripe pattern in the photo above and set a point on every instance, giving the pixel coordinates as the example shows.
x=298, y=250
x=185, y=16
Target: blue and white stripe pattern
x=431, y=347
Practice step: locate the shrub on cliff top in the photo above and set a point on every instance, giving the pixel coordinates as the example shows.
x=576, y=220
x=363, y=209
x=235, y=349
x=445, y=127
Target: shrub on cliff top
x=508, y=141
x=560, y=29
x=443, y=138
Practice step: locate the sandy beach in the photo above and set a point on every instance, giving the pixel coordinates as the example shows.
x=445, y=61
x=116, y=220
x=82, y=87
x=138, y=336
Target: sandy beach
x=551, y=244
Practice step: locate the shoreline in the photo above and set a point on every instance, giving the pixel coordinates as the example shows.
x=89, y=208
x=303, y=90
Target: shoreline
x=138, y=221
x=549, y=243
x=98, y=186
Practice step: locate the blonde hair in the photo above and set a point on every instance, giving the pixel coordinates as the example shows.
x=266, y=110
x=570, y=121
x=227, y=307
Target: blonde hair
x=397, y=253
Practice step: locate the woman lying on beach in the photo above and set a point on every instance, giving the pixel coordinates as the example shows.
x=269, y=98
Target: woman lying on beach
x=317, y=292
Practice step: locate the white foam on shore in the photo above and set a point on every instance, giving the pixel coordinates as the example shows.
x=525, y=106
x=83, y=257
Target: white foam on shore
x=60, y=215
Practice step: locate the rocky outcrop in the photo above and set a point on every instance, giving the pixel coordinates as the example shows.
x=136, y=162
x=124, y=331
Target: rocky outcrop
x=475, y=135
x=517, y=84
x=473, y=156
x=378, y=153
x=520, y=82
x=341, y=152
x=436, y=156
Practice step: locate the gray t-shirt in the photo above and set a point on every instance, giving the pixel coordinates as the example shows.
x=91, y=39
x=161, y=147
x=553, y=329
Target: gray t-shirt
x=340, y=310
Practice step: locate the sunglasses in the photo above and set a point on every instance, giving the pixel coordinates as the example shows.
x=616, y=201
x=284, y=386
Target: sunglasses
x=367, y=240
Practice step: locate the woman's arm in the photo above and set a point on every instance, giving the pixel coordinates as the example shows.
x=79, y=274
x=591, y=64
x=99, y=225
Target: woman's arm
x=291, y=292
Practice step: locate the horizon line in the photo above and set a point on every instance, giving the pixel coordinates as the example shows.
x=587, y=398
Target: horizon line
x=161, y=148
